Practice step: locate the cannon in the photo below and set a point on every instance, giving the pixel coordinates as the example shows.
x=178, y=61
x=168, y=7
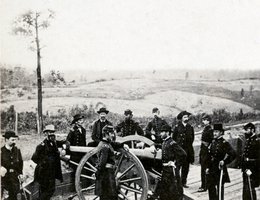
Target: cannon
x=136, y=170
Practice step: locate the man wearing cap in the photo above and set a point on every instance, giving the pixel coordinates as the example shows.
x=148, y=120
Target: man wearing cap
x=183, y=134
x=172, y=157
x=11, y=166
x=250, y=163
x=76, y=137
x=48, y=168
x=99, y=124
x=105, y=186
x=206, y=139
x=153, y=128
x=128, y=126
x=221, y=153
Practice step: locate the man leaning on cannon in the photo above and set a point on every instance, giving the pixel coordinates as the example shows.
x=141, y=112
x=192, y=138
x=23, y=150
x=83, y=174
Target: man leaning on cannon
x=250, y=163
x=105, y=186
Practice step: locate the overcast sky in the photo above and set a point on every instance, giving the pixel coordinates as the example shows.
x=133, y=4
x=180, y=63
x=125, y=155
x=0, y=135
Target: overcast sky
x=138, y=34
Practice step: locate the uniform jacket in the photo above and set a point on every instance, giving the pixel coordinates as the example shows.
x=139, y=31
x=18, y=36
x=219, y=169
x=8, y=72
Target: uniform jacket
x=251, y=158
x=97, y=129
x=219, y=150
x=105, y=177
x=184, y=136
x=77, y=136
x=47, y=158
x=155, y=125
x=129, y=127
x=206, y=139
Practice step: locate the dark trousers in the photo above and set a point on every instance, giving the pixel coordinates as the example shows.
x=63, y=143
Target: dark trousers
x=46, y=190
x=246, y=189
x=203, y=175
x=184, y=171
x=11, y=184
x=214, y=191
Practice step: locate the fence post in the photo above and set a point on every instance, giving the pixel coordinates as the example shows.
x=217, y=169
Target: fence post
x=38, y=122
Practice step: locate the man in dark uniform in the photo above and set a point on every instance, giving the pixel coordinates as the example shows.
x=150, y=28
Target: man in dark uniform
x=105, y=186
x=47, y=158
x=250, y=163
x=221, y=153
x=183, y=134
x=172, y=157
x=128, y=126
x=76, y=137
x=153, y=129
x=11, y=166
x=98, y=125
x=206, y=139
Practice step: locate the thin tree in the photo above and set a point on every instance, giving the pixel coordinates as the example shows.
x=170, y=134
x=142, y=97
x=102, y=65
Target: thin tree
x=30, y=24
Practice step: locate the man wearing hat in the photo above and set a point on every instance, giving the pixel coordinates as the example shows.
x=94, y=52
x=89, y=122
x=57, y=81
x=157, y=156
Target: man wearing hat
x=48, y=168
x=99, y=124
x=153, y=128
x=170, y=187
x=221, y=153
x=206, y=139
x=76, y=137
x=11, y=166
x=128, y=126
x=183, y=134
x=250, y=163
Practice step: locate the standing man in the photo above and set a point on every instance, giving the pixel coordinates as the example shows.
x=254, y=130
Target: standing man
x=76, y=137
x=183, y=134
x=221, y=153
x=206, y=139
x=105, y=186
x=11, y=166
x=47, y=158
x=153, y=128
x=129, y=126
x=250, y=163
x=172, y=157
x=99, y=125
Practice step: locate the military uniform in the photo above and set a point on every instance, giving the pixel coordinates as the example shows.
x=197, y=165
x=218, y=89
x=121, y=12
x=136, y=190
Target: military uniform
x=129, y=127
x=206, y=139
x=105, y=186
x=47, y=158
x=97, y=129
x=76, y=137
x=184, y=136
x=13, y=162
x=170, y=185
x=251, y=161
x=219, y=150
x=155, y=125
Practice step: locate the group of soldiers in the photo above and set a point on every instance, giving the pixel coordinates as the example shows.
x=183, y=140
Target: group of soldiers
x=175, y=142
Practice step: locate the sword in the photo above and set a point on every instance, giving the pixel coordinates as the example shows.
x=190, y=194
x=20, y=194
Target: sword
x=220, y=184
x=248, y=174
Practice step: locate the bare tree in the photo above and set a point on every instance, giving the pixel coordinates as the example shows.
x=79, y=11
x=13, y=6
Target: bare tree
x=29, y=24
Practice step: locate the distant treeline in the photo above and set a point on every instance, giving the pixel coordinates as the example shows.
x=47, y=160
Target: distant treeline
x=27, y=123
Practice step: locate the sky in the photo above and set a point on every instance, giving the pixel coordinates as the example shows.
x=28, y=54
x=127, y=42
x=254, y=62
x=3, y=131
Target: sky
x=137, y=34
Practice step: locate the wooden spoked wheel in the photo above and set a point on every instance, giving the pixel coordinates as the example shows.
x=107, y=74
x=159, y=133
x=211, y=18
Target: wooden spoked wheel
x=131, y=178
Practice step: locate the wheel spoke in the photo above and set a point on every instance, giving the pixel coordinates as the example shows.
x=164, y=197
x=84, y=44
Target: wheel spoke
x=88, y=177
x=135, y=192
x=90, y=169
x=89, y=188
x=94, y=168
x=119, y=163
x=122, y=193
x=127, y=170
x=131, y=189
x=130, y=180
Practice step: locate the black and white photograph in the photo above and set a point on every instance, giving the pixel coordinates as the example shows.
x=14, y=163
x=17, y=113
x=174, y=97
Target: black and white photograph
x=130, y=99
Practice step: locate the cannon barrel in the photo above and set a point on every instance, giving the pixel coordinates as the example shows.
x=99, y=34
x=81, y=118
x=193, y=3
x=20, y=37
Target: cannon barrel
x=140, y=153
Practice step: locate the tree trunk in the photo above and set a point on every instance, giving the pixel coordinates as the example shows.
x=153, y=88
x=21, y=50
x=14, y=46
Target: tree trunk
x=39, y=77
